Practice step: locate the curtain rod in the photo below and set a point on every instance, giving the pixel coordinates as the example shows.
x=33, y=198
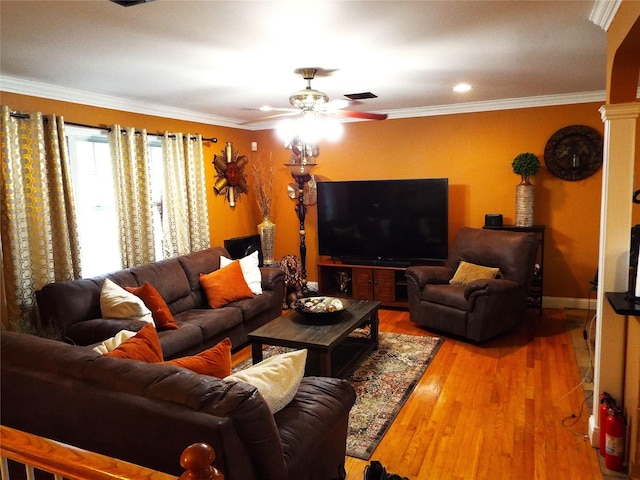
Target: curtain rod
x=25, y=116
x=212, y=139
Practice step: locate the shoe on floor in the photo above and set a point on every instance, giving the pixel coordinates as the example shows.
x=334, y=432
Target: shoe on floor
x=375, y=471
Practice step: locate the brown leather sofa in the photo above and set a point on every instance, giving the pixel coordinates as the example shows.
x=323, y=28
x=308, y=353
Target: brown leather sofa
x=148, y=413
x=74, y=307
x=481, y=309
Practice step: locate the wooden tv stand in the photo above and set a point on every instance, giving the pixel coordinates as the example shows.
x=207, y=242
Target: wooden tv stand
x=384, y=284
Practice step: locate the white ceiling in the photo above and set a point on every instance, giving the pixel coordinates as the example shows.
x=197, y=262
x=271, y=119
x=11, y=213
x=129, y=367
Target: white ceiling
x=214, y=61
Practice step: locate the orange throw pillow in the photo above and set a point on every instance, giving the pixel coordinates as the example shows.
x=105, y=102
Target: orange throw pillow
x=215, y=362
x=154, y=302
x=225, y=285
x=145, y=346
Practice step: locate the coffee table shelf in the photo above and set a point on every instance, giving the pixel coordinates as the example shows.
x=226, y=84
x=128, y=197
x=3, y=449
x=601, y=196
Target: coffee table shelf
x=331, y=351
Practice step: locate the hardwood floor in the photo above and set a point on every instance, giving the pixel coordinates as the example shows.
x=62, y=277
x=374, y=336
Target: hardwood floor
x=502, y=410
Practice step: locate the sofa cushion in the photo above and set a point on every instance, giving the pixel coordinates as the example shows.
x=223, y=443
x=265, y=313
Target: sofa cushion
x=450, y=295
x=187, y=338
x=225, y=285
x=162, y=317
x=211, y=322
x=469, y=272
x=114, y=342
x=277, y=378
x=166, y=276
x=116, y=302
x=250, y=270
x=204, y=261
x=215, y=361
x=144, y=346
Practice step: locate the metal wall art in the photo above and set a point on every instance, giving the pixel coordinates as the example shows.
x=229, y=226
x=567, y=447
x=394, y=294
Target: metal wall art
x=231, y=181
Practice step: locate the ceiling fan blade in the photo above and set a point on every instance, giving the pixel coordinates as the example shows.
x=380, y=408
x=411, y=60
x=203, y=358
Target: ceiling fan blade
x=363, y=115
x=338, y=104
x=271, y=109
x=269, y=117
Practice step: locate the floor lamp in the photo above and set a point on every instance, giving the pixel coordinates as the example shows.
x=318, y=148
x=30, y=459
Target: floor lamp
x=301, y=173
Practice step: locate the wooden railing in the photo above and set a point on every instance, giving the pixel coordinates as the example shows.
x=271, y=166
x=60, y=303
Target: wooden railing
x=68, y=462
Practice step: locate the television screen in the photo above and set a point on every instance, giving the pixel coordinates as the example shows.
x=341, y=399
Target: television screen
x=382, y=222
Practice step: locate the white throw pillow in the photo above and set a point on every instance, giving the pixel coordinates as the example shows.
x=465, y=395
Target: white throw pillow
x=250, y=271
x=114, y=342
x=277, y=378
x=116, y=302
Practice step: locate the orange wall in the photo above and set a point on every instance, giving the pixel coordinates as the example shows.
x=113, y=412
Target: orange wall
x=473, y=150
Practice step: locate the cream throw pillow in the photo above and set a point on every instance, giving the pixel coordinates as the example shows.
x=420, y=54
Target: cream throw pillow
x=250, y=271
x=277, y=378
x=116, y=302
x=468, y=272
x=114, y=342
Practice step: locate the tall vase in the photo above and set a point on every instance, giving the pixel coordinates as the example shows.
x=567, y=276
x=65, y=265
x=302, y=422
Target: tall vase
x=267, y=230
x=524, y=203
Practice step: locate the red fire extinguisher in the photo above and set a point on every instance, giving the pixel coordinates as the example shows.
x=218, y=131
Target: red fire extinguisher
x=606, y=402
x=616, y=429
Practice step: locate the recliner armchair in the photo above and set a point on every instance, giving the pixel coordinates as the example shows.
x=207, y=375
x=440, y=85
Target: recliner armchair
x=478, y=309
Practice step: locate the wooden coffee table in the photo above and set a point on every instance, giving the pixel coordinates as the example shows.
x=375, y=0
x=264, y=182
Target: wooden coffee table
x=331, y=352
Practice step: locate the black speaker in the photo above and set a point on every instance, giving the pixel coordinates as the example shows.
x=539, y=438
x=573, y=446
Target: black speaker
x=493, y=220
x=240, y=247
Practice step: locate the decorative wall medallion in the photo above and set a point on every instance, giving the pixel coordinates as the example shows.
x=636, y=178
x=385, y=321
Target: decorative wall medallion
x=574, y=152
x=231, y=181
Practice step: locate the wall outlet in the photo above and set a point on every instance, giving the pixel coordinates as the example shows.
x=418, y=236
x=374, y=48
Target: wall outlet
x=254, y=146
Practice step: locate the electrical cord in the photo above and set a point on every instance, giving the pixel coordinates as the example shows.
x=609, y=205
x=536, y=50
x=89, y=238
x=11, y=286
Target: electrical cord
x=571, y=420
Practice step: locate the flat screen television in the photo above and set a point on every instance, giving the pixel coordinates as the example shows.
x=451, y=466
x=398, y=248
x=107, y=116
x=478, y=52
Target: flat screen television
x=384, y=222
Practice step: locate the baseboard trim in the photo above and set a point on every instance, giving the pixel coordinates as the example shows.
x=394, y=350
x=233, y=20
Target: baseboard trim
x=568, y=302
x=594, y=432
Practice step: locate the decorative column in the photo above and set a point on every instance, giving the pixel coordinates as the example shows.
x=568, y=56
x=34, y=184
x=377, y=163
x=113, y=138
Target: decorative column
x=620, y=127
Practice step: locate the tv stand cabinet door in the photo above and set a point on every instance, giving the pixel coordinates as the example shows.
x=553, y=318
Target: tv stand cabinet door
x=374, y=284
x=362, y=282
x=384, y=285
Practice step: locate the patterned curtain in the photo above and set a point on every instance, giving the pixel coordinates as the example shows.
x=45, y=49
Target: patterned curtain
x=132, y=181
x=38, y=231
x=185, y=223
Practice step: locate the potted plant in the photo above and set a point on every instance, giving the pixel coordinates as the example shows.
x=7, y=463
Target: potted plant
x=525, y=165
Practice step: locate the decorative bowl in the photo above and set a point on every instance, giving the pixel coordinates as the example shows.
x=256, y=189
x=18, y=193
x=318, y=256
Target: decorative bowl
x=316, y=306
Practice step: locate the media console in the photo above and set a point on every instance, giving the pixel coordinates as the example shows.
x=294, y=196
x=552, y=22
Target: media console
x=386, y=284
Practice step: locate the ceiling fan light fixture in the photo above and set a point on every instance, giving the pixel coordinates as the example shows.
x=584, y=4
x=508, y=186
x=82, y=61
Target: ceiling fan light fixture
x=308, y=99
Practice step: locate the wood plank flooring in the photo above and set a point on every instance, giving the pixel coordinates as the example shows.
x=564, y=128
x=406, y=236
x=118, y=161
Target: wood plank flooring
x=509, y=409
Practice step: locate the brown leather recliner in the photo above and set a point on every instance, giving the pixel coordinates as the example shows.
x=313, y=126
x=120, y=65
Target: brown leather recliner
x=480, y=309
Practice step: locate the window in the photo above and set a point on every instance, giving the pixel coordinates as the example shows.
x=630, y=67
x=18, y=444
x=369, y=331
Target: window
x=94, y=195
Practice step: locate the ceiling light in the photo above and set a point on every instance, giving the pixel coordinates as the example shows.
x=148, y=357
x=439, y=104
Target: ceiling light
x=266, y=108
x=462, y=87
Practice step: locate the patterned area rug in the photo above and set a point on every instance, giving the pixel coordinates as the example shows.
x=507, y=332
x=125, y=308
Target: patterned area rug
x=383, y=382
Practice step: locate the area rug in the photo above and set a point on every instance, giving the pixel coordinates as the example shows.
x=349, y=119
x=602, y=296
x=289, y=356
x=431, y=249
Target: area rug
x=383, y=383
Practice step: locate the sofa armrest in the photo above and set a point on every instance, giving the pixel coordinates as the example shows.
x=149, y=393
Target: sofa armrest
x=272, y=277
x=89, y=332
x=489, y=287
x=424, y=274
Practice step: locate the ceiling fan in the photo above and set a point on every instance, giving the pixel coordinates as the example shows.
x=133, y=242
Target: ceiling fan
x=311, y=102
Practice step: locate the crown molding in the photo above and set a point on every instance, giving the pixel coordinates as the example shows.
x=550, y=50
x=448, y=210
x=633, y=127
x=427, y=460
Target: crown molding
x=506, y=104
x=38, y=89
x=603, y=12
x=53, y=92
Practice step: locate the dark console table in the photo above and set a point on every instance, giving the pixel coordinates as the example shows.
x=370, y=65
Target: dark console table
x=535, y=290
x=621, y=304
